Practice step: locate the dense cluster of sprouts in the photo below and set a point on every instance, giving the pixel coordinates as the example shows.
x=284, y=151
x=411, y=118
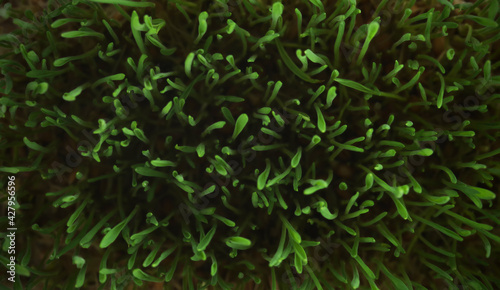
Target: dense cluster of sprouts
x=227, y=144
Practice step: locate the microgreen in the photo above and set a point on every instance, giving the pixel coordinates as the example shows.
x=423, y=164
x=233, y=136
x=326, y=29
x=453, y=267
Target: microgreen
x=291, y=65
x=261, y=180
x=85, y=241
x=202, y=25
x=206, y=240
x=373, y=28
x=238, y=243
x=239, y=125
x=231, y=120
x=111, y=236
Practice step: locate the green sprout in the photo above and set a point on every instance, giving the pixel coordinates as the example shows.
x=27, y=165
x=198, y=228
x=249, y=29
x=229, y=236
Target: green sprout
x=250, y=144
